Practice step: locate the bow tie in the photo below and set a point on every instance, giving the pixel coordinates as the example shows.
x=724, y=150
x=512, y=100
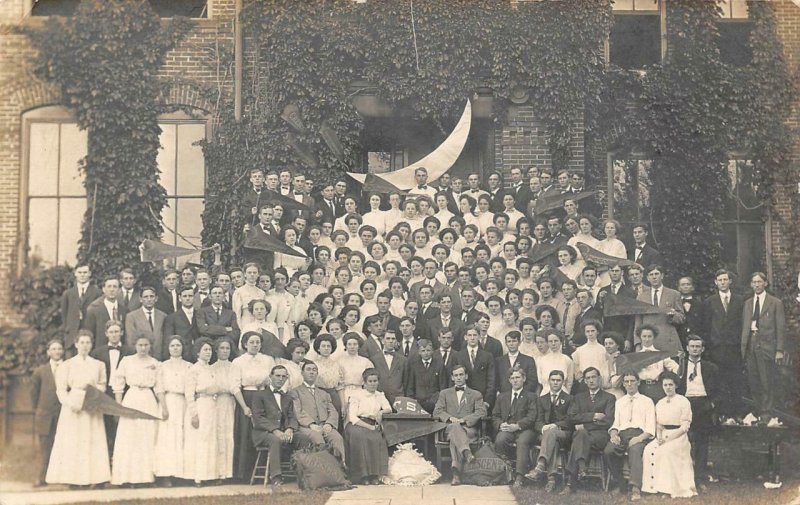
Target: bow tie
x=202, y=292
x=387, y=351
x=422, y=186
x=115, y=347
x=277, y=392
x=298, y=194
x=687, y=298
x=459, y=388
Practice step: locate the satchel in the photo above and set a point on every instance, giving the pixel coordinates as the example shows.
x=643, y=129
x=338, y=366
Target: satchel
x=317, y=468
x=487, y=469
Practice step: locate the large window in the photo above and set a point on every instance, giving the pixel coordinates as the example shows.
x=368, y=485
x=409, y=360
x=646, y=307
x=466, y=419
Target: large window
x=54, y=199
x=743, y=244
x=735, y=28
x=635, y=39
x=630, y=190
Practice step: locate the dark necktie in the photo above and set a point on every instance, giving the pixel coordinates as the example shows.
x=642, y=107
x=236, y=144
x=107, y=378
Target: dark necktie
x=114, y=313
x=408, y=348
x=444, y=356
x=514, y=399
x=655, y=297
x=81, y=292
x=219, y=312
x=427, y=364
x=150, y=319
x=757, y=311
x=127, y=297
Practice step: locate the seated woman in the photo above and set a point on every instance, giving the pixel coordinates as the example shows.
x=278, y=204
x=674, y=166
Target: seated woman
x=367, y=452
x=668, y=458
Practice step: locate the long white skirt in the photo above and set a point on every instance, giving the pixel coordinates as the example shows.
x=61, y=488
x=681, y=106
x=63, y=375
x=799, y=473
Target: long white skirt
x=80, y=449
x=135, y=446
x=169, y=438
x=226, y=407
x=200, y=450
x=668, y=468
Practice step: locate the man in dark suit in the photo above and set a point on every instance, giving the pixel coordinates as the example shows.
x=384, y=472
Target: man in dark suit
x=392, y=369
x=722, y=325
x=111, y=353
x=74, y=302
x=264, y=227
x=426, y=375
x=407, y=339
x=469, y=314
x=763, y=344
x=428, y=310
x=692, y=309
x=299, y=195
x=496, y=192
x=430, y=270
x=446, y=351
x=622, y=325
x=556, y=236
x=513, y=419
x=552, y=422
x=147, y=321
x=274, y=422
x=446, y=319
x=129, y=297
x=479, y=365
x=642, y=252
x=512, y=360
x=486, y=341
x=325, y=206
x=168, y=299
x=215, y=321
x=587, y=313
x=452, y=286
x=255, y=195
x=663, y=297
x=104, y=309
x=591, y=414
x=317, y=417
x=700, y=385
x=462, y=408
x=183, y=322
x=46, y=405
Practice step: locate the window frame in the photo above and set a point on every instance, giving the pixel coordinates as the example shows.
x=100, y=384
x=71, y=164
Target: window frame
x=28, y=5
x=661, y=12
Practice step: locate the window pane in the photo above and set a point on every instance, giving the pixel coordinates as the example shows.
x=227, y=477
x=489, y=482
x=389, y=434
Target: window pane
x=73, y=149
x=734, y=43
x=751, y=249
x=379, y=162
x=635, y=41
x=188, y=8
x=643, y=186
x=646, y=5
x=166, y=157
x=43, y=164
x=624, y=191
x=747, y=191
x=191, y=164
x=739, y=9
x=69, y=228
x=168, y=216
x=43, y=228
x=190, y=224
x=54, y=7
x=623, y=5
x=729, y=252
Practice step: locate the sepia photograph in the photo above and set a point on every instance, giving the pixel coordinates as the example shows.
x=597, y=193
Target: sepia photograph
x=399, y=252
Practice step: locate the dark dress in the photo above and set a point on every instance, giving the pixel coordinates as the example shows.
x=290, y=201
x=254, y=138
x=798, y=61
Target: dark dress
x=367, y=452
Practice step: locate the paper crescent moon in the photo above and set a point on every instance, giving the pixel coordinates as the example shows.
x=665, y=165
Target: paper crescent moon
x=437, y=162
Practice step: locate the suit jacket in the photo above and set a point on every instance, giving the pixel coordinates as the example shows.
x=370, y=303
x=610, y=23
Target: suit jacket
x=482, y=376
x=73, y=311
x=617, y=324
x=721, y=327
x=101, y=354
x=693, y=312
x=289, y=214
x=502, y=365
x=523, y=412
x=710, y=374
x=227, y=303
x=493, y=346
x=425, y=383
x=549, y=413
x=412, y=351
x=252, y=199
x=497, y=200
x=593, y=314
x=135, y=302
x=452, y=359
x=456, y=327
x=136, y=325
x=471, y=317
x=582, y=410
x=370, y=349
x=422, y=328
x=438, y=289
x=313, y=409
x=471, y=407
x=96, y=318
x=771, y=335
x=327, y=214
x=164, y=302
x=267, y=417
x=212, y=326
x=177, y=324
x=667, y=339
x=392, y=380
x=44, y=399
x=650, y=256
x=264, y=258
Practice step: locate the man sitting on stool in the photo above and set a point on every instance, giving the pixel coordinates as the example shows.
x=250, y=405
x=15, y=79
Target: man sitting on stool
x=552, y=421
x=634, y=425
x=463, y=408
x=513, y=419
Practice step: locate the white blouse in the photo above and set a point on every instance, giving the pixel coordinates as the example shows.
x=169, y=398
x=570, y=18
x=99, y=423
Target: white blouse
x=363, y=403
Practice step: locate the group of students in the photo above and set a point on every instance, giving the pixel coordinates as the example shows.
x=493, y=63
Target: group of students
x=447, y=298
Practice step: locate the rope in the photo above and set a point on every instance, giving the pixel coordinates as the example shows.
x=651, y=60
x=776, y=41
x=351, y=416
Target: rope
x=158, y=218
x=414, y=33
x=91, y=223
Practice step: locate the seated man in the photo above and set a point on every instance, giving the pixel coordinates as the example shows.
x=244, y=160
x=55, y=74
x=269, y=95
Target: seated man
x=591, y=414
x=274, y=421
x=426, y=375
x=462, y=408
x=317, y=417
x=552, y=422
x=513, y=418
x=630, y=432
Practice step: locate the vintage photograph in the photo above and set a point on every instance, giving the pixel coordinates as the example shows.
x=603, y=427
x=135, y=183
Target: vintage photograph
x=395, y=252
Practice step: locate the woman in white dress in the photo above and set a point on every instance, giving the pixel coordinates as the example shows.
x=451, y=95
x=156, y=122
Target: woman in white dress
x=442, y=212
x=297, y=349
x=569, y=262
x=399, y=291
x=282, y=302
x=668, y=457
x=367, y=452
x=555, y=360
x=393, y=241
x=612, y=246
x=222, y=371
x=375, y=217
x=170, y=390
x=80, y=450
x=585, y=234
x=331, y=374
x=259, y=309
x=613, y=342
x=243, y=295
x=135, y=443
x=485, y=216
x=201, y=451
x=291, y=263
x=353, y=366
x=394, y=215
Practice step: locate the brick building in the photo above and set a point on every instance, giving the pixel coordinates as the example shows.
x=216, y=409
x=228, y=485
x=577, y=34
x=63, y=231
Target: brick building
x=42, y=199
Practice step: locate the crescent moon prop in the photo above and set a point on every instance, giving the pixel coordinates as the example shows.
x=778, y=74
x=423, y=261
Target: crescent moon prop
x=437, y=162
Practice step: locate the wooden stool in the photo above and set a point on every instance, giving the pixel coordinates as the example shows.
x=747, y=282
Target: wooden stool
x=261, y=470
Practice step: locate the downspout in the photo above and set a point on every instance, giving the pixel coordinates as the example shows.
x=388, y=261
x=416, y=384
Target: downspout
x=238, y=37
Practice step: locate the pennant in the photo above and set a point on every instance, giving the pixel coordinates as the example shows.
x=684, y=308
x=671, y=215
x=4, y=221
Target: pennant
x=557, y=201
x=291, y=114
x=155, y=251
x=592, y=255
x=328, y=134
x=287, y=202
x=636, y=361
x=543, y=251
x=376, y=184
x=256, y=239
x=302, y=151
x=96, y=401
x=615, y=305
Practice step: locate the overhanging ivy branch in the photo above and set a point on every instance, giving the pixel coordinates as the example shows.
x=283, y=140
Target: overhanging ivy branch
x=105, y=60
